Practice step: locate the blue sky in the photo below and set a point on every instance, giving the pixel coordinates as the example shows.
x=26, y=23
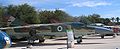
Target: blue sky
x=106, y=8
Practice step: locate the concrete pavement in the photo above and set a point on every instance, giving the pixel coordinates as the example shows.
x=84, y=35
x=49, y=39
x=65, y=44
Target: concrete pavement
x=88, y=43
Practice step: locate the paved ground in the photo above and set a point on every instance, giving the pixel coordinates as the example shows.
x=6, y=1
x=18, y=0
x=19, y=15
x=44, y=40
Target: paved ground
x=88, y=43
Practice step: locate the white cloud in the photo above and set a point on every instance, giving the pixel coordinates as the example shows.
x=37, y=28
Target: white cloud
x=54, y=9
x=112, y=13
x=89, y=4
x=62, y=9
x=18, y=2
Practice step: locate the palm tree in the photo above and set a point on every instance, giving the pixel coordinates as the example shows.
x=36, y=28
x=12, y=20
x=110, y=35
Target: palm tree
x=117, y=19
x=112, y=19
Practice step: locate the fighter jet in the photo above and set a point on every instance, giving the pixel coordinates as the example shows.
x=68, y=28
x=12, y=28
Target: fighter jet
x=55, y=29
x=41, y=30
x=104, y=30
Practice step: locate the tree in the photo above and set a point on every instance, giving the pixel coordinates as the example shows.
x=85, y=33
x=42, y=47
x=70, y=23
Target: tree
x=24, y=12
x=2, y=12
x=117, y=19
x=63, y=16
x=84, y=19
x=107, y=21
x=94, y=18
x=45, y=16
x=112, y=19
x=12, y=10
x=56, y=16
x=28, y=14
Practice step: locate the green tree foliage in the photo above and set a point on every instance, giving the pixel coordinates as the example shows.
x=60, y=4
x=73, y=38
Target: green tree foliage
x=45, y=16
x=62, y=16
x=94, y=18
x=2, y=12
x=106, y=21
x=29, y=15
x=117, y=19
x=12, y=10
x=113, y=19
x=84, y=19
x=57, y=15
x=24, y=12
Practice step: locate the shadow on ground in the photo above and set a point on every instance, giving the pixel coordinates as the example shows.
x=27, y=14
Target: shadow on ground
x=98, y=38
x=86, y=38
x=25, y=44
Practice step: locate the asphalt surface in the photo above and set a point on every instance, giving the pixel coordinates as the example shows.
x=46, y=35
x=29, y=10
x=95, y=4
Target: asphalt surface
x=88, y=43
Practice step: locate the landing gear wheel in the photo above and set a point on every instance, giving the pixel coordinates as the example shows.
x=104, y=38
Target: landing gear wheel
x=102, y=36
x=41, y=40
x=31, y=42
x=51, y=37
x=79, y=40
x=114, y=35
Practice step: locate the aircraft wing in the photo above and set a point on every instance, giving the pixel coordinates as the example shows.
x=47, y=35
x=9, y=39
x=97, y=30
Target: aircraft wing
x=33, y=25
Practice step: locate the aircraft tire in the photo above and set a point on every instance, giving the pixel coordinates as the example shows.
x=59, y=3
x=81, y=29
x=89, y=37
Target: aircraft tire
x=41, y=40
x=79, y=40
x=102, y=36
x=51, y=37
x=114, y=35
x=31, y=42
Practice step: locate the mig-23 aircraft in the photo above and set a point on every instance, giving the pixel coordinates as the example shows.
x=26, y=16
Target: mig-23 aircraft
x=55, y=29
x=41, y=30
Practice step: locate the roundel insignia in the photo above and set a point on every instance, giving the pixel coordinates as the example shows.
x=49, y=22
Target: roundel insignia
x=59, y=28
